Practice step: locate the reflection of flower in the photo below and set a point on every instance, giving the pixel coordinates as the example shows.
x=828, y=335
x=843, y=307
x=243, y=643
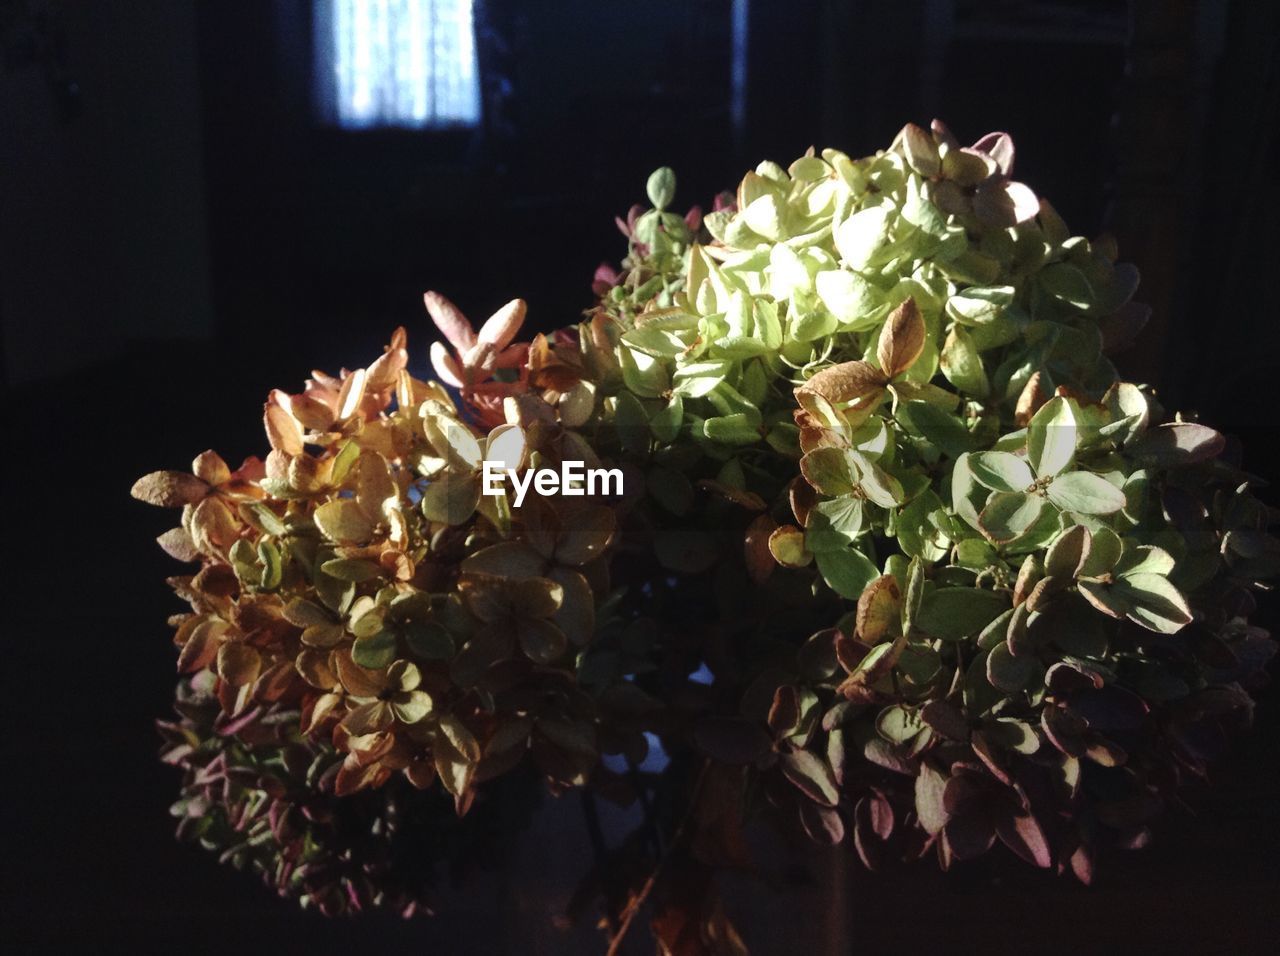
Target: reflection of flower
x=476, y=356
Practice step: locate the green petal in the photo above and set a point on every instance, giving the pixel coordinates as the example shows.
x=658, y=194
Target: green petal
x=1085, y=493
x=1001, y=471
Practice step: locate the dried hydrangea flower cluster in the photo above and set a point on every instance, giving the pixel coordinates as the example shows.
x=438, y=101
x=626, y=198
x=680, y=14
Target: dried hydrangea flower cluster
x=954, y=583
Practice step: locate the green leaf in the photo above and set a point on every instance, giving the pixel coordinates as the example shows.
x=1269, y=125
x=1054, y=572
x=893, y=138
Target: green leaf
x=1065, y=282
x=351, y=569
x=1074, y=627
x=976, y=554
x=1066, y=553
x=412, y=706
x=698, y=378
x=1001, y=471
x=834, y=524
x=979, y=306
x=1145, y=559
x=1007, y=672
x=267, y=520
x=812, y=775
x=860, y=237
x=429, y=641
x=1051, y=438
x=666, y=422
x=450, y=498
x=855, y=302
x=1013, y=734
x=767, y=217
x=878, y=485
x=1178, y=443
x=918, y=534
x=1153, y=602
x=962, y=365
x=644, y=375
x=848, y=571
x=898, y=725
x=955, y=613
x=1085, y=493
x=375, y=651
x=967, y=495
x=671, y=489
x=735, y=429
x=272, y=564
x=830, y=471
x=654, y=340
x=997, y=631
x=632, y=423
x=1009, y=515
x=661, y=187
x=1104, y=551
x=931, y=809
x=914, y=594
x=943, y=429
x=919, y=663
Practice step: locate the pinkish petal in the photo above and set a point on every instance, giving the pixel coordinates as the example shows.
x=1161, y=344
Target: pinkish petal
x=502, y=326
x=450, y=321
x=352, y=393
x=513, y=356
x=999, y=146
x=500, y=389
x=446, y=365
x=1026, y=205
x=282, y=428
x=386, y=368
x=479, y=362
x=943, y=134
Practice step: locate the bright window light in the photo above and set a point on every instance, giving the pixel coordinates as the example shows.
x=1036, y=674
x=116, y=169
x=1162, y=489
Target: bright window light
x=398, y=63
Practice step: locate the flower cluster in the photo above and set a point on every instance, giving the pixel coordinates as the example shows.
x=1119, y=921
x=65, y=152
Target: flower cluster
x=897, y=556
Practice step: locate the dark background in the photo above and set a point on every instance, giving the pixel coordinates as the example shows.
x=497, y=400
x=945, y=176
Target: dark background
x=178, y=235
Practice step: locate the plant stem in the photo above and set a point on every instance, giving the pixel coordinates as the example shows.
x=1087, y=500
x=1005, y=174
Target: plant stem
x=638, y=901
x=598, y=848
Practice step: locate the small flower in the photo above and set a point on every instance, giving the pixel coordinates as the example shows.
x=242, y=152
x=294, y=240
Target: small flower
x=382, y=697
x=477, y=356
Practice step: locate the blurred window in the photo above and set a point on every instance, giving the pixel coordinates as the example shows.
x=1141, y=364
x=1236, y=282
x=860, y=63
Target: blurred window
x=409, y=64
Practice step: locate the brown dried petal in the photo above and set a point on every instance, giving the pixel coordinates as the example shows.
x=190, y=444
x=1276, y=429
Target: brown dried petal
x=315, y=666
x=213, y=526
x=201, y=646
x=238, y=663
x=210, y=467
x=878, y=609
x=344, y=521
x=282, y=428
x=352, y=394
x=177, y=543
x=845, y=382
x=901, y=339
x=371, y=718
x=1029, y=400
x=358, y=681
x=169, y=489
